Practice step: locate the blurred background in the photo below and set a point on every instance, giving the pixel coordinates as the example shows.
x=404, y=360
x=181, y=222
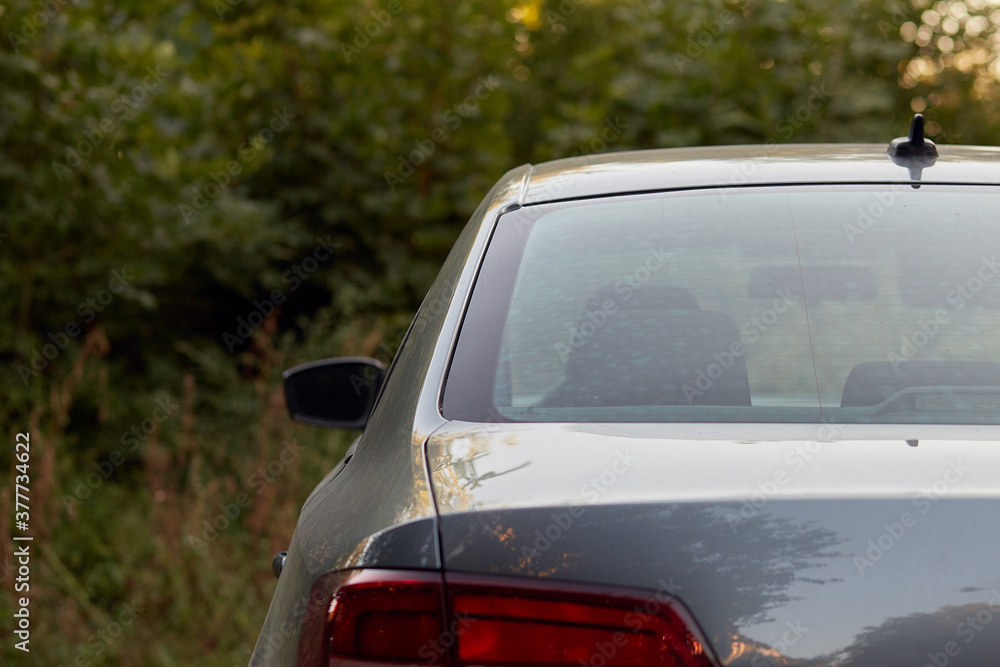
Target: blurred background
x=196, y=195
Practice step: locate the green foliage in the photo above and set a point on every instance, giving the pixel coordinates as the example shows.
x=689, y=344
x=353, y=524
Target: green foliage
x=170, y=170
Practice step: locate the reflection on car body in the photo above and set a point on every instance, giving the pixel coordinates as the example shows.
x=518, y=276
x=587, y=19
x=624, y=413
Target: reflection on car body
x=647, y=416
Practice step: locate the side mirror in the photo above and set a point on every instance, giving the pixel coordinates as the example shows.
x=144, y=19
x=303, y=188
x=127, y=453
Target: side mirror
x=335, y=393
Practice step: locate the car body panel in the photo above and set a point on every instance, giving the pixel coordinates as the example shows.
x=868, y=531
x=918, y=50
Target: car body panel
x=417, y=483
x=784, y=588
x=501, y=466
x=742, y=531
x=728, y=166
x=378, y=511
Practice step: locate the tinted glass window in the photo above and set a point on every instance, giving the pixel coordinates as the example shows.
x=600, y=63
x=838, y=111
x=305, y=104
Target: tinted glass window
x=851, y=303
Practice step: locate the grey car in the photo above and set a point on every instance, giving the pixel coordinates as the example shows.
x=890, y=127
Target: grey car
x=688, y=407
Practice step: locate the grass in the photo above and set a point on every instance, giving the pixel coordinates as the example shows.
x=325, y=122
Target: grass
x=159, y=554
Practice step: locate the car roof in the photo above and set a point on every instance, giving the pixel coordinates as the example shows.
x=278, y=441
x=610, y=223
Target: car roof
x=587, y=176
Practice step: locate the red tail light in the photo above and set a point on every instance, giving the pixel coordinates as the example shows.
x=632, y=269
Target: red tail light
x=386, y=617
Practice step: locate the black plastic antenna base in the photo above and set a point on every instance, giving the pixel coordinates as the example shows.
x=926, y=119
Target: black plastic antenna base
x=914, y=151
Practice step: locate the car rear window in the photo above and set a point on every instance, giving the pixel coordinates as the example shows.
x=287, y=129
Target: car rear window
x=771, y=304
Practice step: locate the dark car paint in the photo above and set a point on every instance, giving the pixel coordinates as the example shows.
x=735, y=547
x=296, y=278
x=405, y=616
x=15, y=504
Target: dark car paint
x=789, y=544
x=741, y=584
x=382, y=511
x=737, y=166
x=381, y=514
